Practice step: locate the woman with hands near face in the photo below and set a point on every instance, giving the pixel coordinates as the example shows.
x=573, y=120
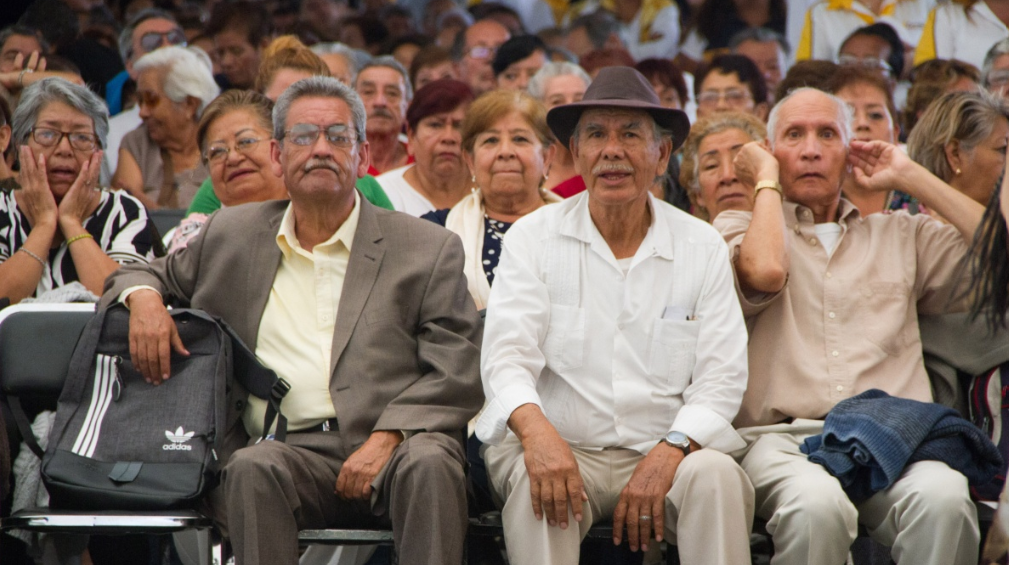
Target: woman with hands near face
x=59, y=226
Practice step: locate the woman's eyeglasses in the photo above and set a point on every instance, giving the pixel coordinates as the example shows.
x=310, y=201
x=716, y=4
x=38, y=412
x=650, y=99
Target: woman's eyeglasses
x=81, y=141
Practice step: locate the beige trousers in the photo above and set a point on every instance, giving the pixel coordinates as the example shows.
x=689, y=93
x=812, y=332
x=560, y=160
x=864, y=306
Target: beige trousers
x=708, y=513
x=927, y=516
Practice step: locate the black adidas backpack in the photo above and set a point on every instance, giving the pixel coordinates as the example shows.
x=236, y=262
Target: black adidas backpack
x=119, y=443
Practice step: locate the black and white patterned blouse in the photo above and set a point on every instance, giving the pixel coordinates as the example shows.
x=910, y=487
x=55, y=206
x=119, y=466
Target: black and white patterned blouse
x=119, y=225
x=493, y=236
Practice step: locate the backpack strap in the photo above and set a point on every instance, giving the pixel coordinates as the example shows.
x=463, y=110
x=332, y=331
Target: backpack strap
x=24, y=426
x=260, y=380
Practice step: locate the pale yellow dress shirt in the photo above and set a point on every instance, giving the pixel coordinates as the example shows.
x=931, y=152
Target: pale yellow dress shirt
x=296, y=330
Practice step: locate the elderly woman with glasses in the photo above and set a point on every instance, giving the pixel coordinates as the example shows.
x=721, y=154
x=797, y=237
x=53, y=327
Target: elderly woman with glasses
x=234, y=136
x=159, y=162
x=59, y=226
x=730, y=83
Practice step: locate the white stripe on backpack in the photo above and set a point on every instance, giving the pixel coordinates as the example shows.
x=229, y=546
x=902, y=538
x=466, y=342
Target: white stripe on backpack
x=101, y=398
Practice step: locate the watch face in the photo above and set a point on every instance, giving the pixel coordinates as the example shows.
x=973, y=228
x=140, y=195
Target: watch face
x=677, y=438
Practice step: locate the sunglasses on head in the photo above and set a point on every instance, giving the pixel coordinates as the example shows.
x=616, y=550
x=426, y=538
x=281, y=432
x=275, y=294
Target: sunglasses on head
x=152, y=40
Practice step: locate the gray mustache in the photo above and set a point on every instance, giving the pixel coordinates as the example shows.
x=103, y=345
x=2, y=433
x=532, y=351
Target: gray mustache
x=382, y=113
x=316, y=164
x=612, y=168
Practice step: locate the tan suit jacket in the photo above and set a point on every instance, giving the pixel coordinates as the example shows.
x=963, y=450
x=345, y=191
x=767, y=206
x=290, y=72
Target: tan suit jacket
x=405, y=348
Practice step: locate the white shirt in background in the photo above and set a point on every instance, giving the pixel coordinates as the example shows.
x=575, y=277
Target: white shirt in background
x=404, y=197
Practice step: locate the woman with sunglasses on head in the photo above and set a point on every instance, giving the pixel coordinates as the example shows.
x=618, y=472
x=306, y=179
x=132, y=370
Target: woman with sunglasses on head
x=159, y=162
x=59, y=226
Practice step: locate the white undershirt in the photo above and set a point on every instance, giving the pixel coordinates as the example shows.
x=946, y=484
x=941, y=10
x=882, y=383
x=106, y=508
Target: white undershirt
x=828, y=234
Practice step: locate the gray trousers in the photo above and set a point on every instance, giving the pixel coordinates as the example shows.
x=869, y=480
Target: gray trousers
x=272, y=490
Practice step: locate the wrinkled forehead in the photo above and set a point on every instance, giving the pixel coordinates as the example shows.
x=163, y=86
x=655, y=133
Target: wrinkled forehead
x=809, y=109
x=320, y=111
x=612, y=118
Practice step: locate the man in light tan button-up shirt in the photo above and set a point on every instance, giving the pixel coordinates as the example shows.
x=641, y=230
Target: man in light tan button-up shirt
x=832, y=300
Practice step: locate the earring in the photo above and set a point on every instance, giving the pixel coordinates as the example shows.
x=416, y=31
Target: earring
x=474, y=179
x=958, y=171
x=545, y=176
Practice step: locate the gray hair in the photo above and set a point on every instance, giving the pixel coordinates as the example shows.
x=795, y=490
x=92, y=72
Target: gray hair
x=713, y=125
x=537, y=84
x=760, y=35
x=188, y=74
x=390, y=62
x=845, y=115
x=996, y=51
x=965, y=117
x=356, y=58
x=126, y=36
x=322, y=87
x=37, y=96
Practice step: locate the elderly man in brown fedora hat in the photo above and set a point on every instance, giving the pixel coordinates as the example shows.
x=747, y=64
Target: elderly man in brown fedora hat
x=614, y=358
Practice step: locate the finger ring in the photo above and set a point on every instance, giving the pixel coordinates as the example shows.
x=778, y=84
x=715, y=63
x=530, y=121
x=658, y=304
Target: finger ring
x=644, y=518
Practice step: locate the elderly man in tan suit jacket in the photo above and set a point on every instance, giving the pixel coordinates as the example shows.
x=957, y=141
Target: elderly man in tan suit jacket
x=364, y=311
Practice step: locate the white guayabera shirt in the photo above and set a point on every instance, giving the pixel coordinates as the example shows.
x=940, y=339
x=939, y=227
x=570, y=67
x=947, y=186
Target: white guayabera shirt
x=615, y=359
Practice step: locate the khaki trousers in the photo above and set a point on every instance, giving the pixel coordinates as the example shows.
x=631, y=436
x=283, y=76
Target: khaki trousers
x=927, y=516
x=709, y=510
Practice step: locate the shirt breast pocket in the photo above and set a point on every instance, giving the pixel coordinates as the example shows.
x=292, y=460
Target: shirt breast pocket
x=674, y=352
x=884, y=307
x=564, y=344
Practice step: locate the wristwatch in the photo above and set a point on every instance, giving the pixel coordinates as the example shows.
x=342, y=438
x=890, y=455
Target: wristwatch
x=679, y=441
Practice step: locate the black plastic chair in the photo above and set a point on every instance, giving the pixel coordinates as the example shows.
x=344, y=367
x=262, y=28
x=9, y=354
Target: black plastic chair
x=36, y=344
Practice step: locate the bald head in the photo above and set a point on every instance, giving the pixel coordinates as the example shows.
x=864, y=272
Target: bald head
x=809, y=132
x=842, y=112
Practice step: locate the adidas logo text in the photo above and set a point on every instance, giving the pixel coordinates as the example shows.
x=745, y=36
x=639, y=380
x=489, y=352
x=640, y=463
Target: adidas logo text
x=178, y=440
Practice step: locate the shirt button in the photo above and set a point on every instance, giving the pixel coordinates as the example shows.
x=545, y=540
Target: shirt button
x=620, y=327
x=834, y=353
x=812, y=241
x=839, y=388
x=828, y=274
x=831, y=315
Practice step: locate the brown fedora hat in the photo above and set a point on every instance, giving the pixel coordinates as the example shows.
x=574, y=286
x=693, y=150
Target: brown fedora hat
x=618, y=87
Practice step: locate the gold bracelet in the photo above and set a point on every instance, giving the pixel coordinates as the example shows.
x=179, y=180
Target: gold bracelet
x=79, y=237
x=34, y=256
x=772, y=184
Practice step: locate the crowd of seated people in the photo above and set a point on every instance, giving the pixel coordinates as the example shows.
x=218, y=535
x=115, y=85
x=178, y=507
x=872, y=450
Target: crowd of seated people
x=696, y=230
